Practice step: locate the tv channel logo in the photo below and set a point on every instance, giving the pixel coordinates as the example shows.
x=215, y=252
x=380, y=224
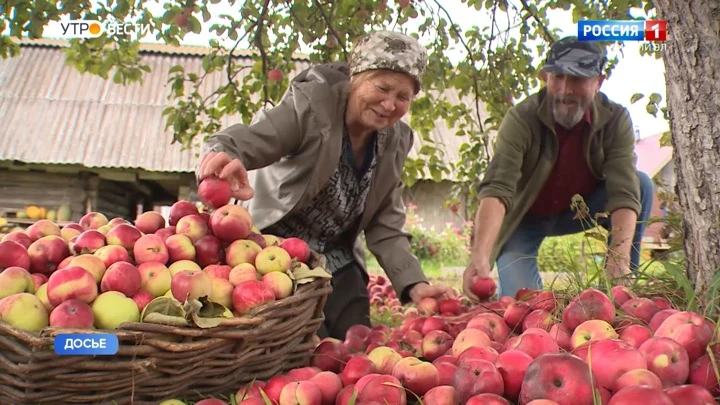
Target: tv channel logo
x=622, y=30
x=92, y=29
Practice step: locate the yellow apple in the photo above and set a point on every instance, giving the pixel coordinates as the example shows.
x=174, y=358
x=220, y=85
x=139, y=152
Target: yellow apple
x=112, y=308
x=24, y=311
x=182, y=265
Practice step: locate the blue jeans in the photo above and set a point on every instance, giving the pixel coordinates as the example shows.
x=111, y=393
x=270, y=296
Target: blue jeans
x=517, y=262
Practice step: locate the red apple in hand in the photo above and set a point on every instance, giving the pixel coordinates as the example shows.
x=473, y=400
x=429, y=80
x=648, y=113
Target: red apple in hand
x=214, y=192
x=483, y=287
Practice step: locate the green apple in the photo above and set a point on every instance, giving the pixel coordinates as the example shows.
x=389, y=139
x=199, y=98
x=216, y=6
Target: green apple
x=24, y=311
x=112, y=308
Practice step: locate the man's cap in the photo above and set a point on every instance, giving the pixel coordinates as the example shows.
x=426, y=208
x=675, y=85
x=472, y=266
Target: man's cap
x=573, y=57
x=390, y=50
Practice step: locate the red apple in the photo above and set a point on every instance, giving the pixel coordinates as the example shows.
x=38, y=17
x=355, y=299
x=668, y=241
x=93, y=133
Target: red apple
x=329, y=355
x=469, y=338
x=72, y=313
x=668, y=359
x=124, y=235
x=660, y=317
x=297, y=248
x=214, y=192
x=93, y=220
x=150, y=248
x=112, y=254
x=640, y=395
x=428, y=306
x=88, y=242
x=13, y=254
x=42, y=228
x=515, y=314
x=620, y=294
x=243, y=251
x=300, y=393
x=435, y=344
x=330, y=386
x=180, y=247
x=639, y=376
x=483, y=287
x=487, y=399
x=357, y=366
x=477, y=377
x=512, y=365
x=274, y=387
x=230, y=223
x=192, y=226
x=142, y=298
x=492, y=324
x=381, y=389
x=539, y=318
x=18, y=236
x=208, y=250
x=303, y=373
x=636, y=335
x=123, y=277
x=690, y=329
x=218, y=271
x=149, y=222
x=384, y=358
x=46, y=253
x=416, y=375
x=609, y=359
x=274, y=75
x=641, y=308
x=191, y=284
x=450, y=306
x=592, y=330
x=561, y=335
x=533, y=343
x=690, y=394
x=71, y=283
x=441, y=395
x=181, y=209
x=589, y=304
x=560, y=377
x=251, y=294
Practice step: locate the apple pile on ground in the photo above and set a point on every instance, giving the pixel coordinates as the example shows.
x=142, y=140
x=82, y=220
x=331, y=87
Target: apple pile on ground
x=534, y=349
x=100, y=272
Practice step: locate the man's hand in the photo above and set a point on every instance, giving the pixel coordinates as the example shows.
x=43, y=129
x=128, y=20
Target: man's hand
x=478, y=266
x=618, y=270
x=223, y=166
x=424, y=290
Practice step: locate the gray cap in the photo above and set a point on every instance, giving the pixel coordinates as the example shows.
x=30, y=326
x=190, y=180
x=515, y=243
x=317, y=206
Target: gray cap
x=573, y=57
x=390, y=50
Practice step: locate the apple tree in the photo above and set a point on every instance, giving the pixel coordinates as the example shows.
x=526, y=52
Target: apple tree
x=497, y=65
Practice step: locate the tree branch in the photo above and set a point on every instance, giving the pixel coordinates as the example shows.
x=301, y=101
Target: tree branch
x=261, y=48
x=476, y=90
x=332, y=30
x=549, y=37
x=230, y=76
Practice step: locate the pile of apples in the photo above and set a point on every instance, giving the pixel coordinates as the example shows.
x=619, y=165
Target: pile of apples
x=595, y=348
x=100, y=272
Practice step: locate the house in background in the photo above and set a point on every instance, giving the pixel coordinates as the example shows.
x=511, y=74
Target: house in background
x=657, y=162
x=79, y=140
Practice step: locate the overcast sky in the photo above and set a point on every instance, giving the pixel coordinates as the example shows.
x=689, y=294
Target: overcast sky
x=634, y=73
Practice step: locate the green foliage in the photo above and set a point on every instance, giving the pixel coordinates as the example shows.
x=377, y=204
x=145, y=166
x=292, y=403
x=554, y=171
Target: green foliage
x=576, y=252
x=498, y=62
x=448, y=245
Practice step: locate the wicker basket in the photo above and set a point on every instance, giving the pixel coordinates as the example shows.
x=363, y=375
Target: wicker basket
x=155, y=362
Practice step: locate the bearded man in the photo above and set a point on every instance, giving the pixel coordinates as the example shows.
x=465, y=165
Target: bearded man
x=568, y=139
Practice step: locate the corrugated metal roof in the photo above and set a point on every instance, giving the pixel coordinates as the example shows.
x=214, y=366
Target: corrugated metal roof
x=51, y=113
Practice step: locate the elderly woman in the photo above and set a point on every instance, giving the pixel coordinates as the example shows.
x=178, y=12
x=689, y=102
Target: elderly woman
x=325, y=164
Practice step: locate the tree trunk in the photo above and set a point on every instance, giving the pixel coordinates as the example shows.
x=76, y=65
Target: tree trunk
x=692, y=73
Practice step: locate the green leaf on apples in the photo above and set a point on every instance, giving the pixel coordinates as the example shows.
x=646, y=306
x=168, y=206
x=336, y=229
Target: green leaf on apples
x=353, y=397
x=164, y=311
x=210, y=314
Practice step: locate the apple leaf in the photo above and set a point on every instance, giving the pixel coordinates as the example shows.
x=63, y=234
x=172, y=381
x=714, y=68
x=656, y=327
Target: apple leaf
x=304, y=275
x=164, y=311
x=210, y=315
